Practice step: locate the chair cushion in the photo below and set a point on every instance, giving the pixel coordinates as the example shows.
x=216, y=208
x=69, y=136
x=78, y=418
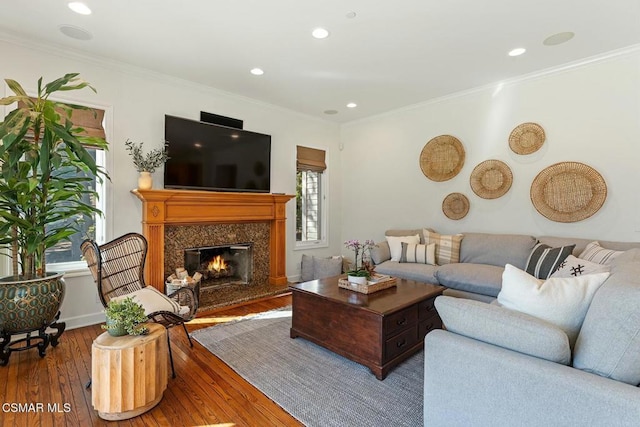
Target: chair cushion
x=152, y=300
x=609, y=341
x=319, y=268
x=505, y=328
x=561, y=301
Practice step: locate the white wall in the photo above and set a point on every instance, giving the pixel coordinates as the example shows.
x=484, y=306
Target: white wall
x=138, y=100
x=590, y=113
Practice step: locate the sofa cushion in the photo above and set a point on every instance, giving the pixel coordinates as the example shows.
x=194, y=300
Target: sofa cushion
x=447, y=246
x=544, y=259
x=573, y=267
x=596, y=253
x=609, y=341
x=395, y=244
x=477, y=278
x=561, y=301
x=319, y=268
x=504, y=328
x=496, y=249
x=423, y=254
x=418, y=272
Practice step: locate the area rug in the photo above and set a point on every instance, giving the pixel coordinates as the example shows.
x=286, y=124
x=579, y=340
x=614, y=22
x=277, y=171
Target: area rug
x=314, y=385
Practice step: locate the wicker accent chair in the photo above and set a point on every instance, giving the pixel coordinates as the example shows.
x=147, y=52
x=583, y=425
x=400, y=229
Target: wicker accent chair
x=118, y=270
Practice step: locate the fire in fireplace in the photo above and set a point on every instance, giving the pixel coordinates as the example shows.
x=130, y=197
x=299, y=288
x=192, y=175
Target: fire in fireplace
x=221, y=265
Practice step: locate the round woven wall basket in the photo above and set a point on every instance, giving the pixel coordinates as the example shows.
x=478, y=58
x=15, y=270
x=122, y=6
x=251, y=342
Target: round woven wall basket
x=455, y=206
x=491, y=179
x=442, y=158
x=526, y=138
x=568, y=192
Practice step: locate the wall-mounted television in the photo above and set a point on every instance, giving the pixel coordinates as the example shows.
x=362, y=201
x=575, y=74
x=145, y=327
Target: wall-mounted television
x=205, y=156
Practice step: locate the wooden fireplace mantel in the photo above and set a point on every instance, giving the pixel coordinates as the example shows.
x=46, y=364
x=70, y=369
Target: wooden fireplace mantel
x=189, y=207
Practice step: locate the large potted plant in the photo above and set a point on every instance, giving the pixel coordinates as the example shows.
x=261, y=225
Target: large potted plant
x=42, y=197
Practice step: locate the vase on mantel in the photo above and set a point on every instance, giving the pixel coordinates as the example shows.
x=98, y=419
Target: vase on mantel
x=145, y=181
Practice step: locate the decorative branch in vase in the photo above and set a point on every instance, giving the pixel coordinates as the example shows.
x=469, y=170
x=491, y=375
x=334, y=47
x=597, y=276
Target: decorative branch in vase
x=146, y=164
x=362, y=268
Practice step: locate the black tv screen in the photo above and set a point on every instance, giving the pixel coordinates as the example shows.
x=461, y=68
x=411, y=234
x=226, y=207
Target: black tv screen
x=205, y=156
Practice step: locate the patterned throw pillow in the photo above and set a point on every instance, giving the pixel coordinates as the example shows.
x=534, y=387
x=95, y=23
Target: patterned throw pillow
x=421, y=254
x=596, y=253
x=395, y=244
x=544, y=259
x=574, y=267
x=447, y=247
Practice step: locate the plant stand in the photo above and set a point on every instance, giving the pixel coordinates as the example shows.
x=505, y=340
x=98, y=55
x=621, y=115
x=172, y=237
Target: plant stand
x=41, y=341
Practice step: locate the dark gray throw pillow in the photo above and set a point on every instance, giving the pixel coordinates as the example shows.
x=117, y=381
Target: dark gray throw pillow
x=544, y=259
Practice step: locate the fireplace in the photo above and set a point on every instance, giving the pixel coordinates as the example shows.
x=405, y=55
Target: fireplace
x=222, y=264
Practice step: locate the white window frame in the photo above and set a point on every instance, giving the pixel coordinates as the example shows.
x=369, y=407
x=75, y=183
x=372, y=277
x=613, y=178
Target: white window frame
x=323, y=241
x=104, y=223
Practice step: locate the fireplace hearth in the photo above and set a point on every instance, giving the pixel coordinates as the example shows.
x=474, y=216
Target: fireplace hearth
x=222, y=264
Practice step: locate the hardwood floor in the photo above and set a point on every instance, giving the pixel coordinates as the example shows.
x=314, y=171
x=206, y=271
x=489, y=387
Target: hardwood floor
x=206, y=392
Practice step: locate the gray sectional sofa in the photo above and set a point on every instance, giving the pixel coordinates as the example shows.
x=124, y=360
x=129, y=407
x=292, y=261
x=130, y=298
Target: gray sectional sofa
x=492, y=366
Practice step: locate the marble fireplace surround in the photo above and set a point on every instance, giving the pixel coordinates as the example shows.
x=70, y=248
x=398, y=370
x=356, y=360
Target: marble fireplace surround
x=173, y=220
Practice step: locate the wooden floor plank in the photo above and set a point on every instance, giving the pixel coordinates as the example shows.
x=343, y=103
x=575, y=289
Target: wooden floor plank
x=205, y=392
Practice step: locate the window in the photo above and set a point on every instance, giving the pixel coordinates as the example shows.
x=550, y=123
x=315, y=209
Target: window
x=310, y=197
x=67, y=255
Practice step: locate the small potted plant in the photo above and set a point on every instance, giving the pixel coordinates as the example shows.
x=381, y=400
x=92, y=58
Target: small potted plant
x=146, y=164
x=361, y=271
x=124, y=317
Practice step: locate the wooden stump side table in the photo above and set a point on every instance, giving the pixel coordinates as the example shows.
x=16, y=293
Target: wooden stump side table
x=129, y=374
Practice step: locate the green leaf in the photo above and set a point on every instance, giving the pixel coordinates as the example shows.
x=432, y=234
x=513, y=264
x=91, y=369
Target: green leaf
x=15, y=87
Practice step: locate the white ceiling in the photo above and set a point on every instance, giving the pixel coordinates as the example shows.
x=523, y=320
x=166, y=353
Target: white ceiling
x=392, y=54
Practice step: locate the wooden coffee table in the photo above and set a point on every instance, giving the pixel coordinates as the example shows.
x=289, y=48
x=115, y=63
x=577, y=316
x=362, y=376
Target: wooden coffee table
x=378, y=330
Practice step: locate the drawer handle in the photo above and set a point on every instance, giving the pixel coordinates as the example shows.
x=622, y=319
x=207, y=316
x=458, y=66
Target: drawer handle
x=402, y=322
x=401, y=343
x=430, y=308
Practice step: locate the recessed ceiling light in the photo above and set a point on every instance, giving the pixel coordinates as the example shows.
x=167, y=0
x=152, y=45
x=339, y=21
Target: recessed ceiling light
x=331, y=112
x=558, y=38
x=257, y=71
x=517, y=52
x=352, y=105
x=320, y=33
x=79, y=7
x=75, y=32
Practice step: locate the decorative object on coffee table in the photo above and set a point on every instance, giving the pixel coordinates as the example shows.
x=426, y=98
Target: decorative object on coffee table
x=369, y=286
x=526, y=138
x=491, y=179
x=362, y=267
x=442, y=158
x=568, y=192
x=455, y=206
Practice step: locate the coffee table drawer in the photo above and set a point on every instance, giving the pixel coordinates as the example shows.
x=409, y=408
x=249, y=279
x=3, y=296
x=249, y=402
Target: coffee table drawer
x=427, y=325
x=427, y=308
x=400, y=343
x=396, y=322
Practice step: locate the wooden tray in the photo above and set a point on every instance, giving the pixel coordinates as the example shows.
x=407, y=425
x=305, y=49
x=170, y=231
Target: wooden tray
x=369, y=287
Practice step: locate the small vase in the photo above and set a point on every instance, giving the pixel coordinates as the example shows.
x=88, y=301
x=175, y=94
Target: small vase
x=118, y=330
x=359, y=280
x=145, y=181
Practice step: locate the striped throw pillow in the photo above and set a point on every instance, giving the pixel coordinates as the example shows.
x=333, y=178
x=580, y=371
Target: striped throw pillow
x=544, y=259
x=420, y=254
x=447, y=247
x=596, y=253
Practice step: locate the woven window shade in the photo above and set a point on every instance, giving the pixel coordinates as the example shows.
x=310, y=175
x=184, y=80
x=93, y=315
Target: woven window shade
x=90, y=120
x=310, y=159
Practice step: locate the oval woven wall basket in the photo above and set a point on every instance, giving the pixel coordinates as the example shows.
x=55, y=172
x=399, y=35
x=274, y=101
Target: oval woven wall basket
x=455, y=206
x=568, y=192
x=442, y=158
x=491, y=179
x=526, y=138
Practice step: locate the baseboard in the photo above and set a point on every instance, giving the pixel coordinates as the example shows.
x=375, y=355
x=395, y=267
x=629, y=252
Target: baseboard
x=84, y=320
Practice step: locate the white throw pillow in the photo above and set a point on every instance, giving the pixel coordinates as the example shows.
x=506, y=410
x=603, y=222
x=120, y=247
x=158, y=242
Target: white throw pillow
x=560, y=301
x=152, y=300
x=395, y=244
x=574, y=267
